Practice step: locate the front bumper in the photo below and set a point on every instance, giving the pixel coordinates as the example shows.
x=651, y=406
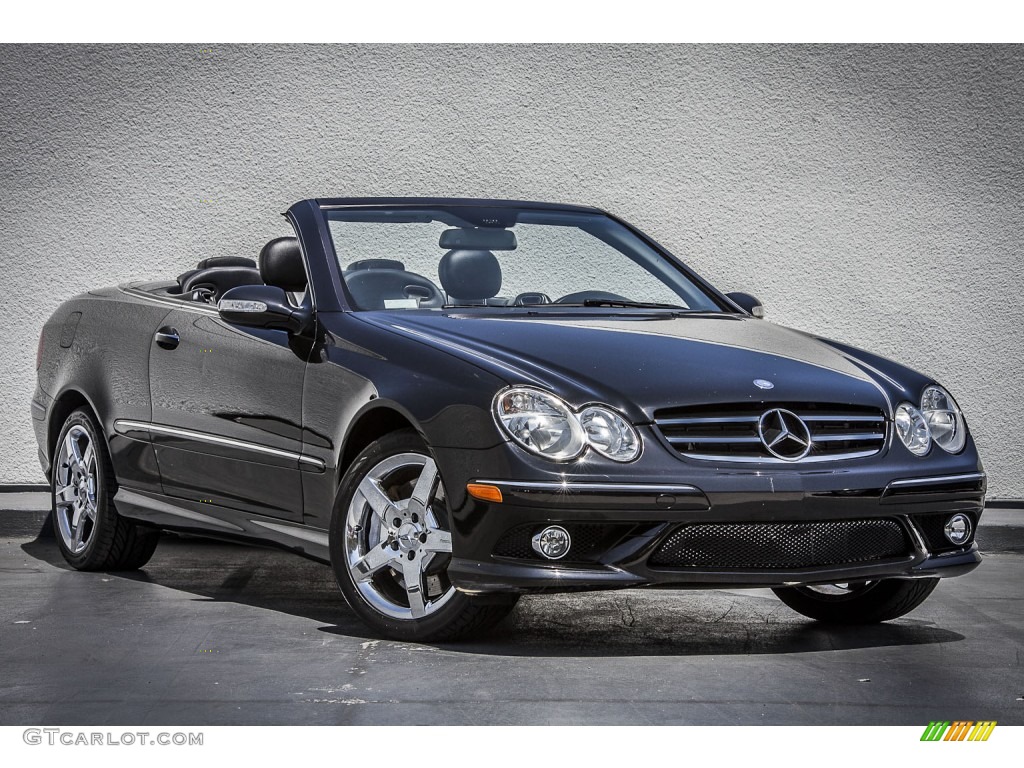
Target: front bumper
x=641, y=516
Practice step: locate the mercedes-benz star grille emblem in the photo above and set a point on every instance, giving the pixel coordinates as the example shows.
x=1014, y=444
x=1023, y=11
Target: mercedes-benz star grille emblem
x=784, y=434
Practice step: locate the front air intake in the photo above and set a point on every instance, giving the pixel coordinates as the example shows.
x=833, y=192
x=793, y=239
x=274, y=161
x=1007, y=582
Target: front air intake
x=783, y=546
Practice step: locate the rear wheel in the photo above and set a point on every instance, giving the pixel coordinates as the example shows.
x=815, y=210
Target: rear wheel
x=391, y=545
x=863, y=602
x=90, y=533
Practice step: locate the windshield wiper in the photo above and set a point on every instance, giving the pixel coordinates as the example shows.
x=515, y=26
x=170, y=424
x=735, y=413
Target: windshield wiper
x=636, y=304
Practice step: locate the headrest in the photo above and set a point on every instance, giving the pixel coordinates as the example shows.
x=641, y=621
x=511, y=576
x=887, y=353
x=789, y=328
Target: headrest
x=472, y=275
x=281, y=264
x=376, y=264
x=226, y=261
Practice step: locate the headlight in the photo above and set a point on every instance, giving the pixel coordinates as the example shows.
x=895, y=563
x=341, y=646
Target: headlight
x=945, y=422
x=609, y=434
x=913, y=429
x=547, y=426
x=540, y=423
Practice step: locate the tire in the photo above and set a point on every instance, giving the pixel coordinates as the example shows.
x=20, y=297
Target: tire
x=860, y=603
x=390, y=544
x=90, y=533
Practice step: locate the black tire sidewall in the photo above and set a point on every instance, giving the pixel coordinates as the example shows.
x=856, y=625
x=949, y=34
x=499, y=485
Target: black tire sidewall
x=886, y=600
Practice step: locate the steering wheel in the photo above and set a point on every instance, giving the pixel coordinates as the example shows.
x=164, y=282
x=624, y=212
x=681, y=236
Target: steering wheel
x=580, y=296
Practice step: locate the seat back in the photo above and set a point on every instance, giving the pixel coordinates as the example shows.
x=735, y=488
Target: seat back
x=391, y=289
x=213, y=282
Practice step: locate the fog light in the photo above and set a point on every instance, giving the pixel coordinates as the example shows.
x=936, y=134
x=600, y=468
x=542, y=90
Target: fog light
x=553, y=542
x=958, y=528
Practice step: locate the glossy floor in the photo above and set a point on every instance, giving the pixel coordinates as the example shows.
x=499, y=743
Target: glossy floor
x=217, y=633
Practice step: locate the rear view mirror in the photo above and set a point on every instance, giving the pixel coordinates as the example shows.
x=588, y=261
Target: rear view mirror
x=745, y=301
x=478, y=240
x=262, y=306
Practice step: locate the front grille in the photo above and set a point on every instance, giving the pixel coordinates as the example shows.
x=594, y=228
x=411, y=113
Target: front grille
x=589, y=540
x=730, y=432
x=932, y=528
x=780, y=545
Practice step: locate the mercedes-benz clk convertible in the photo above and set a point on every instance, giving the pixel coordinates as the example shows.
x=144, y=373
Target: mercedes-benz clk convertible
x=455, y=402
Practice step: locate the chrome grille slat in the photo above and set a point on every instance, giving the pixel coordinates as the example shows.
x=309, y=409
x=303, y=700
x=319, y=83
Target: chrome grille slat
x=710, y=420
x=834, y=417
x=858, y=437
x=729, y=432
x=714, y=439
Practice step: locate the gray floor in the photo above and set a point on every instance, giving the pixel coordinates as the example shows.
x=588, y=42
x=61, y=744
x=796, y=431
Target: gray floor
x=224, y=634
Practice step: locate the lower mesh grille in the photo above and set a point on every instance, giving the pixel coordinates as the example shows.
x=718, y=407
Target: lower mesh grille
x=588, y=540
x=780, y=545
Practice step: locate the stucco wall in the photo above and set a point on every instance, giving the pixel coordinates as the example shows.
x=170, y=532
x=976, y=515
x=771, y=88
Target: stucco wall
x=870, y=194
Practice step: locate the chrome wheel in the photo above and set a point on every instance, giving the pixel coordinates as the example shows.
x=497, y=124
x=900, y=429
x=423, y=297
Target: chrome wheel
x=75, y=489
x=397, y=539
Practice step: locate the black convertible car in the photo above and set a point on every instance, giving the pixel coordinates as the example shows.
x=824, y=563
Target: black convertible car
x=454, y=402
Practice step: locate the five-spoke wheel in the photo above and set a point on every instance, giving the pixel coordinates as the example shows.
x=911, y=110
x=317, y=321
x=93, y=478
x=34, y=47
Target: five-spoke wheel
x=76, y=489
x=396, y=538
x=391, y=545
x=90, y=533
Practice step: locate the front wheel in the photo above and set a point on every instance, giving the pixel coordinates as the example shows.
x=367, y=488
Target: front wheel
x=864, y=602
x=391, y=544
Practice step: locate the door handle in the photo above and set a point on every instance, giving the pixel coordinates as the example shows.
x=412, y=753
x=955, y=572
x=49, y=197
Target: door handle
x=167, y=338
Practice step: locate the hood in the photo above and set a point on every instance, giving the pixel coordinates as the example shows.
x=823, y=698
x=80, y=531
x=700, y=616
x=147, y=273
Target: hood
x=640, y=363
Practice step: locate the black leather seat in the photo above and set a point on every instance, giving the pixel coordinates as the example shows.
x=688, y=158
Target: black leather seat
x=213, y=282
x=226, y=261
x=214, y=261
x=375, y=288
x=375, y=264
x=470, y=276
x=376, y=283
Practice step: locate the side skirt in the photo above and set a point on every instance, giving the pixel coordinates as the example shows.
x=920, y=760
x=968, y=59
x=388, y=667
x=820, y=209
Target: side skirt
x=222, y=523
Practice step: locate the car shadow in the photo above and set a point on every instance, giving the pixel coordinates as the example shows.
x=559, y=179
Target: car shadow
x=591, y=624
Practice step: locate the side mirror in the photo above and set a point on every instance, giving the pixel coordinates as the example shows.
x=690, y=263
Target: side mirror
x=747, y=302
x=263, y=306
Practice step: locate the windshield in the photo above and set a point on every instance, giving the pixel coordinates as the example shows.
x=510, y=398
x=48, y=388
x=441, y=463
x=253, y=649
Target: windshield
x=408, y=257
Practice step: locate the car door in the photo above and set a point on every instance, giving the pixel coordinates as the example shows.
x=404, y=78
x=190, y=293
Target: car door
x=227, y=413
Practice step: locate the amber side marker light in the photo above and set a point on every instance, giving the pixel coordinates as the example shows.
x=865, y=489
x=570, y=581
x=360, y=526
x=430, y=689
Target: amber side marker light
x=485, y=492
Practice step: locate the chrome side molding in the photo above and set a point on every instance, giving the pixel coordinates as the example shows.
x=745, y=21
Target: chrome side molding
x=124, y=426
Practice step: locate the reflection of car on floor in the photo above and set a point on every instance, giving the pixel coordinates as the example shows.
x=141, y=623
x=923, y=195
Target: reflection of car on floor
x=454, y=402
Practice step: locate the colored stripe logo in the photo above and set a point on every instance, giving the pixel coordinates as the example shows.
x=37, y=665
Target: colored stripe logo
x=960, y=730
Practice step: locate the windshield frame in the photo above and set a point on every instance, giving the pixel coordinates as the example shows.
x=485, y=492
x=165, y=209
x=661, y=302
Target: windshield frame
x=460, y=206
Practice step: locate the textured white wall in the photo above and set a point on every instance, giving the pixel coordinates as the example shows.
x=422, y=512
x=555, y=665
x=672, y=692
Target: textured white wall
x=871, y=194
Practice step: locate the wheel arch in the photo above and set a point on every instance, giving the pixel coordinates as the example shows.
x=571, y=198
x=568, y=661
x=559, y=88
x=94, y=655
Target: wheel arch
x=64, y=404
x=376, y=420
